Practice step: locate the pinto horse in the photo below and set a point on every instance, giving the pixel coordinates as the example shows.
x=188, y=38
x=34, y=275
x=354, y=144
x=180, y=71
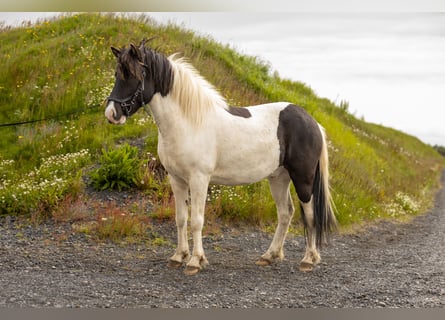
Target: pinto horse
x=204, y=141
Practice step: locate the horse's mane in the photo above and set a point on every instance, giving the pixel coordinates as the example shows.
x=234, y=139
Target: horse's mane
x=175, y=76
x=195, y=95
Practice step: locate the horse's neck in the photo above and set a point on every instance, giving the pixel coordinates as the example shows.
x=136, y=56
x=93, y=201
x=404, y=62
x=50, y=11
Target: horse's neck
x=190, y=103
x=167, y=115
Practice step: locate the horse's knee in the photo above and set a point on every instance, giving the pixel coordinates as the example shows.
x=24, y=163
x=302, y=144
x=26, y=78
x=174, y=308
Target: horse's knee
x=181, y=220
x=197, y=223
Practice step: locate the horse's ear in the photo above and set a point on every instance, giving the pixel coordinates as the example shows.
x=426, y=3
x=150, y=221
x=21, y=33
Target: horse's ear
x=116, y=52
x=135, y=52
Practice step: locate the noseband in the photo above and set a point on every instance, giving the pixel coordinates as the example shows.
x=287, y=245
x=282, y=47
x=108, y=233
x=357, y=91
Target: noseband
x=127, y=104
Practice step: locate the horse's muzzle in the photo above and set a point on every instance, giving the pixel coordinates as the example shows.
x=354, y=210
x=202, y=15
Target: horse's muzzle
x=113, y=115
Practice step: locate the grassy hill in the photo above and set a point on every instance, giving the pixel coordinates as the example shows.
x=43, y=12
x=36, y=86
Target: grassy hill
x=63, y=69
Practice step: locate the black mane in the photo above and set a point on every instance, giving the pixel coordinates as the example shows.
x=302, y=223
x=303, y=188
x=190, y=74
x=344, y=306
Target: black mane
x=159, y=70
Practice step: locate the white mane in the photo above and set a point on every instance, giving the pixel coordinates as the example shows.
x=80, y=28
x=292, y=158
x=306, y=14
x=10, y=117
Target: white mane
x=195, y=95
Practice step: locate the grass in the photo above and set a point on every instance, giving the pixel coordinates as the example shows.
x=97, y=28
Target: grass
x=64, y=66
x=40, y=189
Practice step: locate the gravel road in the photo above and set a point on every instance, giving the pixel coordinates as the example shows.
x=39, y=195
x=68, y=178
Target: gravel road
x=387, y=265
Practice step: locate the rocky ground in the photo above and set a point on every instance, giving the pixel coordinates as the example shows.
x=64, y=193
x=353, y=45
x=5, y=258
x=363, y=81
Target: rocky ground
x=387, y=265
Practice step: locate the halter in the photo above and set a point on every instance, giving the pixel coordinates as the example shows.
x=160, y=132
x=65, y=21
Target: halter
x=127, y=104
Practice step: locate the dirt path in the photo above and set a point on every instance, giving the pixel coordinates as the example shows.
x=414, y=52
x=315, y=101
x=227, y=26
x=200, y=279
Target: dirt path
x=388, y=265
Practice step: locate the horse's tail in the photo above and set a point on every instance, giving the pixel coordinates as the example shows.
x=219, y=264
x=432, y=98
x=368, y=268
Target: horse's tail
x=324, y=217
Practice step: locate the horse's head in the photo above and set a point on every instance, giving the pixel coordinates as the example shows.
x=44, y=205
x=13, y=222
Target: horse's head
x=140, y=73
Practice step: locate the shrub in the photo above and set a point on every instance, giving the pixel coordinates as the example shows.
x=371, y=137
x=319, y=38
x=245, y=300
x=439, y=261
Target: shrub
x=119, y=169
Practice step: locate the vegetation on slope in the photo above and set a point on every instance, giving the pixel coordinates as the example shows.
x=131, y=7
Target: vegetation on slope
x=62, y=70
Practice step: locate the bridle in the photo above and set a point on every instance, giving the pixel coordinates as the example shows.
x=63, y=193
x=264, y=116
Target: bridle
x=127, y=104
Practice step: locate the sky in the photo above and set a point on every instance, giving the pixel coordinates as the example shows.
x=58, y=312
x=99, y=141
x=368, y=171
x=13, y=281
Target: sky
x=389, y=67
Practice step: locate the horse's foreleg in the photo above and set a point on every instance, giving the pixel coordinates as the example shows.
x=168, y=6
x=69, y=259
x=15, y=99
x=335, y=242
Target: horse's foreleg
x=311, y=257
x=180, y=191
x=198, y=194
x=279, y=186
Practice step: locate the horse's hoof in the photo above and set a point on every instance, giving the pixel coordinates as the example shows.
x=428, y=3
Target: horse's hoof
x=306, y=266
x=204, y=263
x=174, y=264
x=262, y=262
x=191, y=271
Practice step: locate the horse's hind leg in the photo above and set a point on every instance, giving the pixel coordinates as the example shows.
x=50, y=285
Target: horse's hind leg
x=311, y=257
x=279, y=186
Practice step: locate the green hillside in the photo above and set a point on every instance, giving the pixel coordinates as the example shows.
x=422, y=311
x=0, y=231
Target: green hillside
x=63, y=69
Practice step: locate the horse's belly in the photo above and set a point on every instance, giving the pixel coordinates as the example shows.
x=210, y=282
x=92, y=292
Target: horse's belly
x=244, y=171
x=237, y=179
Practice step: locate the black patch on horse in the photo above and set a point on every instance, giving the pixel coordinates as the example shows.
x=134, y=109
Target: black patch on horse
x=300, y=142
x=239, y=112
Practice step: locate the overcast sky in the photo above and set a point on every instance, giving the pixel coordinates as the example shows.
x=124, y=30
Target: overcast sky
x=390, y=67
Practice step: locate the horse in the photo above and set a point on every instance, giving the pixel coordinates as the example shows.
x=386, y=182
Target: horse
x=202, y=140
